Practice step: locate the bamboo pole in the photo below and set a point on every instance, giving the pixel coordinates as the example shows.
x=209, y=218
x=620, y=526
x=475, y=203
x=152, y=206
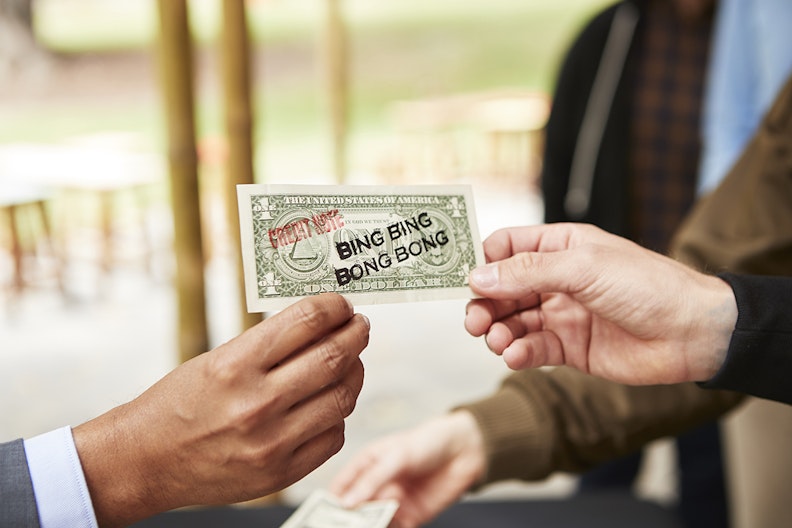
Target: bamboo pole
x=239, y=124
x=176, y=63
x=335, y=59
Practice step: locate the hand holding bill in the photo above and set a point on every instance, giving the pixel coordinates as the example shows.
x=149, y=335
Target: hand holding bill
x=241, y=421
x=426, y=469
x=567, y=294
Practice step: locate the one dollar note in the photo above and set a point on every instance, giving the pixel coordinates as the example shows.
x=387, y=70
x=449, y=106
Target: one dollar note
x=322, y=510
x=373, y=244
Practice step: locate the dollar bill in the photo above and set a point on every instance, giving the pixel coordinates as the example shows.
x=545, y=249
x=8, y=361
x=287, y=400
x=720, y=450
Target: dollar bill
x=373, y=244
x=323, y=510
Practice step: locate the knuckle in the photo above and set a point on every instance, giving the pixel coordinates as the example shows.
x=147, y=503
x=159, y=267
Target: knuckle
x=346, y=399
x=247, y=417
x=270, y=403
x=527, y=261
x=321, y=311
x=244, y=418
x=589, y=258
x=311, y=314
x=362, y=333
x=222, y=368
x=333, y=356
x=525, y=264
x=337, y=439
x=261, y=455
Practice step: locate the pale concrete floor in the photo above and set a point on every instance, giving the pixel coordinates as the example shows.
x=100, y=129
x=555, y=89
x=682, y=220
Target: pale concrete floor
x=66, y=361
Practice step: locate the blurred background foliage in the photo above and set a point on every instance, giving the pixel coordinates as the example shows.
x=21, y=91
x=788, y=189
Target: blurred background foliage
x=107, y=76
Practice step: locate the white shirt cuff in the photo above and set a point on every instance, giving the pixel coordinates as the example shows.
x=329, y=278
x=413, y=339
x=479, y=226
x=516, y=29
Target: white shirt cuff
x=62, y=495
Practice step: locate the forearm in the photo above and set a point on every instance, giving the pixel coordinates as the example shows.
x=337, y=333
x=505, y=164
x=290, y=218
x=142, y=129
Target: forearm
x=544, y=421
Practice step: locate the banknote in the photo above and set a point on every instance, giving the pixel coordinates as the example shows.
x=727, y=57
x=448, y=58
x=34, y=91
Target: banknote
x=323, y=510
x=373, y=244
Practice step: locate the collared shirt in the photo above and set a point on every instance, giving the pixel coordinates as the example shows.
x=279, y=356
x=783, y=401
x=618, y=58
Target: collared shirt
x=751, y=60
x=668, y=82
x=62, y=495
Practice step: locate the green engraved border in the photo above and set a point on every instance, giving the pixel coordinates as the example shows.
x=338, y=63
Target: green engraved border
x=455, y=206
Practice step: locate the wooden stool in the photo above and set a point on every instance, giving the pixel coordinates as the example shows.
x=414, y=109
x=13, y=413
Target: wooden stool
x=16, y=202
x=104, y=193
x=513, y=125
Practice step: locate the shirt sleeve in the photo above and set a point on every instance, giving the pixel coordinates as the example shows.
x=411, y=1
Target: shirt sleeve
x=731, y=111
x=751, y=60
x=759, y=358
x=62, y=495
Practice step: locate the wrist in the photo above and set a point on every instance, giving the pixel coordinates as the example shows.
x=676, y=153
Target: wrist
x=468, y=443
x=718, y=318
x=110, y=461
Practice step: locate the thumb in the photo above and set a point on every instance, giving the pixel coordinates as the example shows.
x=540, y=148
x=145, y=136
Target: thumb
x=527, y=273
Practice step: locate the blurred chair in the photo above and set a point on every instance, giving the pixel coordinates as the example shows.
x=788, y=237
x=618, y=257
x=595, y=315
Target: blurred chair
x=27, y=235
x=427, y=147
x=513, y=125
x=106, y=193
x=492, y=135
x=97, y=181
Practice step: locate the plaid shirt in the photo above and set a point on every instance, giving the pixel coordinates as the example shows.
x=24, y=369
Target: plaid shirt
x=669, y=67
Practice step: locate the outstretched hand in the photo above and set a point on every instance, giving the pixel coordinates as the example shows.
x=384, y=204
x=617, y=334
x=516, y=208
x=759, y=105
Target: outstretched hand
x=570, y=294
x=426, y=469
x=244, y=420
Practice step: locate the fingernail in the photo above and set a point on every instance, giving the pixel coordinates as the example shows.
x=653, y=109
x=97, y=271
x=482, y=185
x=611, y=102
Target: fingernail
x=366, y=320
x=485, y=276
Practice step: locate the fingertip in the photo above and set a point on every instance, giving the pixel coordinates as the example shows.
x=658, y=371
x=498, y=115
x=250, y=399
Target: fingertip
x=515, y=358
x=492, y=345
x=344, y=304
x=470, y=327
x=364, y=331
x=484, y=277
x=366, y=321
x=336, y=302
x=477, y=318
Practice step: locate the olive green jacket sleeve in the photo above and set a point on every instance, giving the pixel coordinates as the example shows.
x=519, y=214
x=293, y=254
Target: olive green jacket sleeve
x=543, y=421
